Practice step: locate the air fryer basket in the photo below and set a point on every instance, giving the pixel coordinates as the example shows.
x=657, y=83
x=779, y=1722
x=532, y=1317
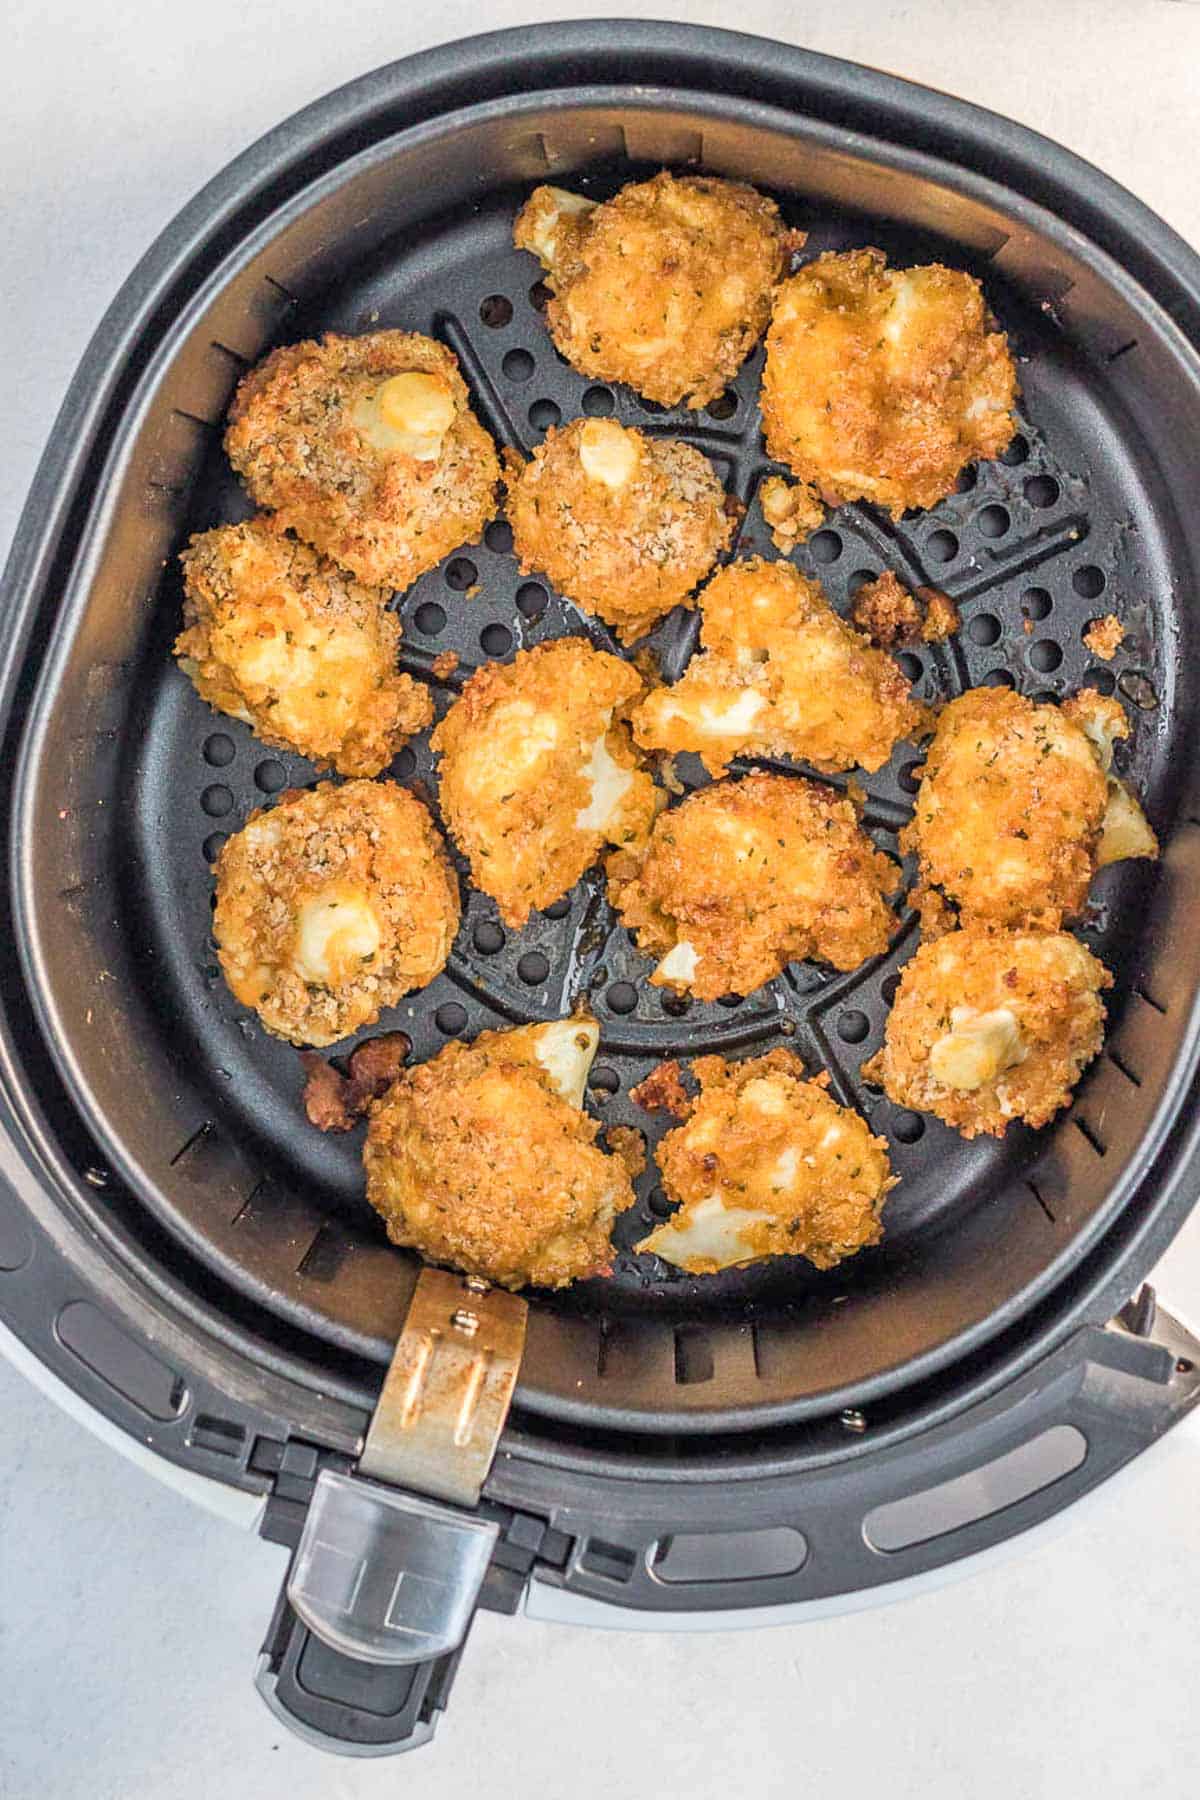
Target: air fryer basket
x=155, y=1134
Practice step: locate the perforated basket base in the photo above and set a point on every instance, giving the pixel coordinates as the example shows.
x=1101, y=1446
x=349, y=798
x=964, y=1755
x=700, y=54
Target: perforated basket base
x=1032, y=548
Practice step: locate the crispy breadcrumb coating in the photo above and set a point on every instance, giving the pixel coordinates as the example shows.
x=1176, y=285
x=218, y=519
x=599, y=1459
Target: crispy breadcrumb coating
x=623, y=524
x=780, y=674
x=792, y=510
x=484, y=1159
x=667, y=286
x=768, y=1164
x=994, y=1026
x=331, y=905
x=892, y=617
x=280, y=638
x=746, y=876
x=538, y=772
x=366, y=447
x=883, y=384
x=1012, y=807
x=1105, y=636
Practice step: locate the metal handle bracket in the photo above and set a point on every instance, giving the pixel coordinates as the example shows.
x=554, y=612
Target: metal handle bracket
x=392, y=1555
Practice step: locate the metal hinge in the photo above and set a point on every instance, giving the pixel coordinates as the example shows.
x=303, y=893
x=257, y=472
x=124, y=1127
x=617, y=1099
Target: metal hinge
x=386, y=1571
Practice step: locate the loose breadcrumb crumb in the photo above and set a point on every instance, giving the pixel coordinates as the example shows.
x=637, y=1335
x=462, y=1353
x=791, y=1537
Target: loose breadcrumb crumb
x=792, y=509
x=663, y=1091
x=942, y=618
x=1105, y=636
x=628, y=1145
x=895, y=618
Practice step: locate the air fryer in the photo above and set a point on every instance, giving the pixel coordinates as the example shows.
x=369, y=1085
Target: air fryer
x=182, y=1249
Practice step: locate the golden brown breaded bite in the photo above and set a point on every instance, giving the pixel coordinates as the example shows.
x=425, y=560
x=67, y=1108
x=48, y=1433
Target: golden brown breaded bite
x=768, y=1164
x=538, y=772
x=484, y=1159
x=746, y=876
x=992, y=1026
x=667, y=286
x=883, y=384
x=367, y=448
x=1016, y=810
x=282, y=639
x=623, y=524
x=780, y=674
x=331, y=905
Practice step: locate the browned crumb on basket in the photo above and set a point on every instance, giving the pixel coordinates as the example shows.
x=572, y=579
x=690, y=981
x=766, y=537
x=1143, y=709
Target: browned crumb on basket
x=668, y=774
x=335, y=1102
x=645, y=661
x=792, y=510
x=942, y=618
x=1105, y=636
x=444, y=664
x=887, y=612
x=894, y=617
x=627, y=1143
x=663, y=1091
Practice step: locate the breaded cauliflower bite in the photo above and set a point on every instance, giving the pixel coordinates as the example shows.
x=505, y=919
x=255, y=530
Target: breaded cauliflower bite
x=484, y=1159
x=746, y=876
x=331, y=905
x=282, y=639
x=667, y=286
x=883, y=384
x=768, y=1164
x=538, y=772
x=623, y=524
x=992, y=1026
x=780, y=674
x=1016, y=809
x=367, y=448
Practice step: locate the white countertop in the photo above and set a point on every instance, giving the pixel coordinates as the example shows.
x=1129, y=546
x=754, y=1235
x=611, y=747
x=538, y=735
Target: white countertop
x=129, y=1620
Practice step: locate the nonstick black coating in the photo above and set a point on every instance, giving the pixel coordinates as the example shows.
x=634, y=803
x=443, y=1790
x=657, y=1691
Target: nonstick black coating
x=1032, y=547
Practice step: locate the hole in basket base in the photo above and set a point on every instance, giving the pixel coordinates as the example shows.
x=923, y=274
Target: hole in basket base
x=495, y=311
x=694, y=1556
x=543, y=414
x=965, y=1499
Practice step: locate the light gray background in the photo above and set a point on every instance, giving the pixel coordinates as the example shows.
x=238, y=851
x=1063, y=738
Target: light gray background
x=129, y=1620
